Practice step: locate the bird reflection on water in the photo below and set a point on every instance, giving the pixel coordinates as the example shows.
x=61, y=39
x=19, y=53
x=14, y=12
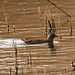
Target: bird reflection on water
x=52, y=49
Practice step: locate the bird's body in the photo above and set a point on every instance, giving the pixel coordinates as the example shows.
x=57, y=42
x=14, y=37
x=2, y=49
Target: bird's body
x=35, y=41
x=49, y=40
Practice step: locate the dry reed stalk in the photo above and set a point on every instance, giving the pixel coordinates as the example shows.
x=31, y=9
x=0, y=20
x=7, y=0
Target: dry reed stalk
x=63, y=12
x=39, y=12
x=16, y=59
x=46, y=30
x=10, y=70
x=38, y=2
x=45, y=72
x=5, y=18
x=58, y=8
x=14, y=28
x=15, y=55
x=30, y=58
x=25, y=5
x=21, y=66
x=53, y=24
x=59, y=25
x=47, y=20
x=22, y=70
x=50, y=27
x=70, y=26
x=4, y=14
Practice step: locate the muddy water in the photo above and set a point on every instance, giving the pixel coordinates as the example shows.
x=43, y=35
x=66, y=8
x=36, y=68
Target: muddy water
x=45, y=61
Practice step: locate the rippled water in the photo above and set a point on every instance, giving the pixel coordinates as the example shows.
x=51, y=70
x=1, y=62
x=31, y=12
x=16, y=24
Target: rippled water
x=45, y=60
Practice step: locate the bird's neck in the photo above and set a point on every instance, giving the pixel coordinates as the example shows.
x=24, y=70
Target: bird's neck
x=51, y=40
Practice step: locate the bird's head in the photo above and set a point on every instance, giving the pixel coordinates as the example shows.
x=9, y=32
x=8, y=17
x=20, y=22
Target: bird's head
x=52, y=36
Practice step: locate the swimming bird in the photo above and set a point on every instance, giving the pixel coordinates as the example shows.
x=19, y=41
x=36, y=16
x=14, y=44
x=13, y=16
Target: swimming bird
x=48, y=40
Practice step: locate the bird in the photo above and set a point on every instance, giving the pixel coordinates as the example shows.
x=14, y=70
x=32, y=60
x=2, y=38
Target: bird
x=48, y=40
x=73, y=65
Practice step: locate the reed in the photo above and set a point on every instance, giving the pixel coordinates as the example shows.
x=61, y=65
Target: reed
x=39, y=12
x=38, y=2
x=21, y=66
x=46, y=29
x=64, y=13
x=5, y=14
x=22, y=70
x=15, y=55
x=16, y=59
x=5, y=18
x=53, y=23
x=10, y=70
x=59, y=25
x=24, y=5
x=30, y=58
x=58, y=8
x=53, y=26
x=50, y=27
x=70, y=27
x=47, y=21
x=14, y=28
x=45, y=72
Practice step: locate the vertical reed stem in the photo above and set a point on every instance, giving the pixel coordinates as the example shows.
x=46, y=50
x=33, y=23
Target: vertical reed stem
x=50, y=27
x=16, y=63
x=4, y=14
x=5, y=18
x=16, y=66
x=70, y=27
x=24, y=5
x=38, y=2
x=46, y=29
x=22, y=70
x=59, y=26
x=10, y=70
x=30, y=59
x=27, y=59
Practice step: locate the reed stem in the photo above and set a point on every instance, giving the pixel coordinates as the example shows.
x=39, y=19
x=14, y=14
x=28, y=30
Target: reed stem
x=10, y=70
x=58, y=8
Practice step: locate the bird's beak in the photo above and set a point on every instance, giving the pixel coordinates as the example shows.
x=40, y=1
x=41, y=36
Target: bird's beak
x=58, y=36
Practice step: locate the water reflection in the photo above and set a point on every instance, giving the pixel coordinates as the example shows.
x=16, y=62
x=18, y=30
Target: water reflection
x=52, y=49
x=51, y=45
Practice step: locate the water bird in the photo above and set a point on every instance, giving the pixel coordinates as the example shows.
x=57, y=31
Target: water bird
x=48, y=40
x=73, y=65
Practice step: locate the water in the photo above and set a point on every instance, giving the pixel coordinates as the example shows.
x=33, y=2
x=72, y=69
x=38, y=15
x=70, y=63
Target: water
x=45, y=60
